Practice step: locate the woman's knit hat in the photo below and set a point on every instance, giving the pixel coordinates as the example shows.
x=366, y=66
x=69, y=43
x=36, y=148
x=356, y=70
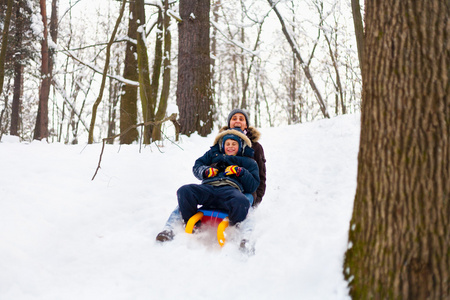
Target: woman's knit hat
x=236, y=111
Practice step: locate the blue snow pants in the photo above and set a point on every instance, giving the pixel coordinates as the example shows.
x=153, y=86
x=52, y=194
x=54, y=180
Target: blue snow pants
x=225, y=198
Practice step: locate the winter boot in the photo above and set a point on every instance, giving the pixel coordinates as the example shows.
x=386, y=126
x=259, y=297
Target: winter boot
x=165, y=236
x=246, y=247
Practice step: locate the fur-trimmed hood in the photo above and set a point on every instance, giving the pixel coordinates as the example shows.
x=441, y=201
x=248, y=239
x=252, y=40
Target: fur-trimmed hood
x=252, y=133
x=240, y=134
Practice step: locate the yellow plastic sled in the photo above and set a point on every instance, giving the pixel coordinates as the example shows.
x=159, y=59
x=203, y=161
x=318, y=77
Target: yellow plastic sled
x=210, y=216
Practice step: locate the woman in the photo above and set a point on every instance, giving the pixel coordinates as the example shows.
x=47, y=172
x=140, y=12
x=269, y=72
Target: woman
x=239, y=119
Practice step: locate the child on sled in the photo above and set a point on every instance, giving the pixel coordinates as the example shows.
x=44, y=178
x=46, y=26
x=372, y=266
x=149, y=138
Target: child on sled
x=227, y=171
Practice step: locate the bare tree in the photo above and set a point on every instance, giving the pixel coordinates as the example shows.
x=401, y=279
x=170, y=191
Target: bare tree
x=399, y=236
x=330, y=36
x=105, y=71
x=163, y=101
x=305, y=67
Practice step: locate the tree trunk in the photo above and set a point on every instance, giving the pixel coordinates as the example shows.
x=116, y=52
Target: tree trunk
x=145, y=90
x=53, y=34
x=399, y=236
x=5, y=43
x=194, y=97
x=41, y=129
x=128, y=100
x=114, y=91
x=18, y=75
x=359, y=30
x=17, y=98
x=162, y=107
x=215, y=11
x=156, y=70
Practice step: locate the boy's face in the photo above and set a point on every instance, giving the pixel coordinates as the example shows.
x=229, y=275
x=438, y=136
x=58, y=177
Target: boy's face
x=238, y=120
x=231, y=147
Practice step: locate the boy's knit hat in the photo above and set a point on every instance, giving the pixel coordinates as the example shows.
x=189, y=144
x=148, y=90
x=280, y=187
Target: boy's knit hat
x=240, y=111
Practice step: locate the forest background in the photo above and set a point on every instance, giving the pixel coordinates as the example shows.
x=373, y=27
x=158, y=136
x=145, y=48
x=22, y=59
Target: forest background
x=253, y=65
x=286, y=62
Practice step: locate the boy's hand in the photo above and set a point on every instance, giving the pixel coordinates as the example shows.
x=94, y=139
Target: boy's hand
x=211, y=172
x=233, y=170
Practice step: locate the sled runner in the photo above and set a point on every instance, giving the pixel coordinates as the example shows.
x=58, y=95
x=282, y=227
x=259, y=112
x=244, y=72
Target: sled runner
x=212, y=217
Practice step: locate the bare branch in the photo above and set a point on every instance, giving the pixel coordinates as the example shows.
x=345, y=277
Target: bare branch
x=172, y=117
x=305, y=67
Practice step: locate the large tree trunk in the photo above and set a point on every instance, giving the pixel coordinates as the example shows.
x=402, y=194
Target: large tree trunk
x=194, y=97
x=128, y=100
x=399, y=236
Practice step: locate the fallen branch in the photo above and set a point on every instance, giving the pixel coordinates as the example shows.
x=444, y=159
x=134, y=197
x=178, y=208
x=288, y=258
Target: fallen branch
x=172, y=117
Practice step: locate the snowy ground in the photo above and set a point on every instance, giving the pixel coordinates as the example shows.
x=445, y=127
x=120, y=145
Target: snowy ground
x=63, y=236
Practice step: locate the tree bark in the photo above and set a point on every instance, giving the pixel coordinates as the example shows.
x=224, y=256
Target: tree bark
x=17, y=98
x=162, y=106
x=359, y=30
x=41, y=128
x=399, y=236
x=18, y=74
x=53, y=34
x=5, y=43
x=128, y=101
x=194, y=97
x=145, y=90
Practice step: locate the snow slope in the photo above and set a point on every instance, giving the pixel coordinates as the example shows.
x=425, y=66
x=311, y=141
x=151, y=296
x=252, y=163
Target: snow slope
x=63, y=236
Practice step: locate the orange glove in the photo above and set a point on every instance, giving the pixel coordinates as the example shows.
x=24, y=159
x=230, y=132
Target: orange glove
x=211, y=172
x=233, y=170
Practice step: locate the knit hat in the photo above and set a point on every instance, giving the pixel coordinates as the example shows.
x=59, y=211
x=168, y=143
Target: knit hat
x=236, y=111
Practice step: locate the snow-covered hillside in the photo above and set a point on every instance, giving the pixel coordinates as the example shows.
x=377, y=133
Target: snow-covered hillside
x=63, y=236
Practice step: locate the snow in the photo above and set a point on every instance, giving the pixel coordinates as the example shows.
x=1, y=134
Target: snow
x=64, y=236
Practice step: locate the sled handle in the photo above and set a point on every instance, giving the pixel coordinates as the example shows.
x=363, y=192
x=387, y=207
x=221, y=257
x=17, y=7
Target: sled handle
x=192, y=221
x=221, y=231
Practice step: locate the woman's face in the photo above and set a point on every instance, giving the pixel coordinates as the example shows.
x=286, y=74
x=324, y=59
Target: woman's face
x=238, y=120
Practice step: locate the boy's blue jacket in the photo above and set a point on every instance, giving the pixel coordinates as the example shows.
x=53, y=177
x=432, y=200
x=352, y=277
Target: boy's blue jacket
x=248, y=181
